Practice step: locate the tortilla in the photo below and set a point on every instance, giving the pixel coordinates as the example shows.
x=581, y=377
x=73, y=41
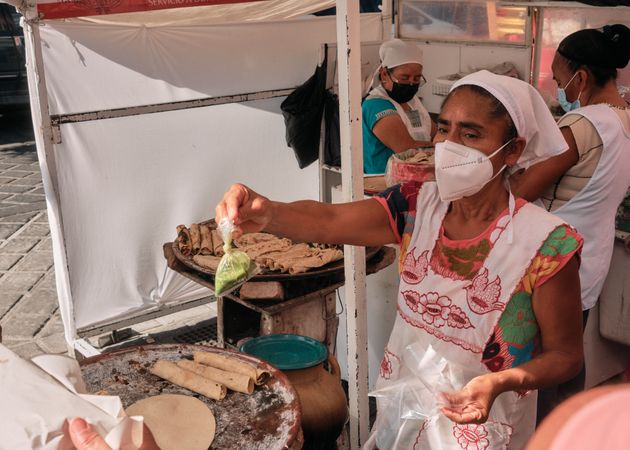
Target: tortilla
x=208, y=261
x=205, y=246
x=217, y=243
x=170, y=371
x=319, y=259
x=259, y=375
x=254, y=238
x=206, y=240
x=178, y=422
x=183, y=240
x=258, y=249
x=195, y=238
x=280, y=260
x=236, y=381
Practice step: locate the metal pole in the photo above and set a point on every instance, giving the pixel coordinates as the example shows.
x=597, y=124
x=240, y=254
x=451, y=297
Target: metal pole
x=387, y=9
x=45, y=154
x=537, y=48
x=349, y=64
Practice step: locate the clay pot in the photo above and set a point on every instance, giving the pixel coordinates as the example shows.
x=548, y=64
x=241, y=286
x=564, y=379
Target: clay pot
x=323, y=401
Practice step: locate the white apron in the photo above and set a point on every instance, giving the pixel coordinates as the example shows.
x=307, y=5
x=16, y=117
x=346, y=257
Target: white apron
x=440, y=333
x=420, y=128
x=592, y=211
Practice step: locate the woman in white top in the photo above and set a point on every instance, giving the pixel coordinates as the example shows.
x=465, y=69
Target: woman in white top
x=586, y=184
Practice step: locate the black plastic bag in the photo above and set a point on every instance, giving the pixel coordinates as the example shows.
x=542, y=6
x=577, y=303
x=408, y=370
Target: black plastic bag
x=302, y=111
x=332, y=140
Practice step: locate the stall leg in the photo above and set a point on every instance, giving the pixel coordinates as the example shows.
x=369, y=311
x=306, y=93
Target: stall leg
x=220, y=324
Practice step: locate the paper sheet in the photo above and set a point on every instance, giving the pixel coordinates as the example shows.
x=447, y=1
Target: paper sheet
x=40, y=397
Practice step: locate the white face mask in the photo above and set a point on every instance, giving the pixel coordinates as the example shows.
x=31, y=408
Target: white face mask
x=462, y=171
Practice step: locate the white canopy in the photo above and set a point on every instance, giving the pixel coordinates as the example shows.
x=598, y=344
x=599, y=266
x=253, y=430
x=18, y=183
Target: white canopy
x=270, y=10
x=221, y=11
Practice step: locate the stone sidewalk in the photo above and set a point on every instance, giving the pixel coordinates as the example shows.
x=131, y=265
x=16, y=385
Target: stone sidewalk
x=28, y=300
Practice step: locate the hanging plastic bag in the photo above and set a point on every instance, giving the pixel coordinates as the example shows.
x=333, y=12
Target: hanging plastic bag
x=332, y=140
x=416, y=164
x=235, y=266
x=302, y=111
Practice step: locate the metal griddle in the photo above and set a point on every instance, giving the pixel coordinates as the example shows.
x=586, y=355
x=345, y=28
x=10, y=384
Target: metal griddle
x=268, y=419
x=330, y=269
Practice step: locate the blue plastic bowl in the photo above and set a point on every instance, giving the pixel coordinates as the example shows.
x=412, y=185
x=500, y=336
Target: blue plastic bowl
x=286, y=351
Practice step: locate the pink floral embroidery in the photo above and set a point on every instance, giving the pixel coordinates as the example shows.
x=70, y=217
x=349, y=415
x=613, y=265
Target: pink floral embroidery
x=434, y=309
x=438, y=334
x=471, y=436
x=387, y=367
x=499, y=228
x=412, y=298
x=415, y=269
x=420, y=445
x=483, y=297
x=457, y=318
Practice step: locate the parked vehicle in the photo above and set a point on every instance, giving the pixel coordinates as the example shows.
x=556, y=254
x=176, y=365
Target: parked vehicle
x=13, y=83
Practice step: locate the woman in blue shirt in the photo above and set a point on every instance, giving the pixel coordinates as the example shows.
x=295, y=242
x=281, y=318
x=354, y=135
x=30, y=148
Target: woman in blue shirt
x=394, y=119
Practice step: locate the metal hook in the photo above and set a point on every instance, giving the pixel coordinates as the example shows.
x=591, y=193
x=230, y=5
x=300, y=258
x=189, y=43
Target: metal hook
x=336, y=314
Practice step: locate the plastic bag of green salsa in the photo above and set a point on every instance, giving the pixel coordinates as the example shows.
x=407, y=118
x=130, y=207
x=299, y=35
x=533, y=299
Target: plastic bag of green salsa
x=235, y=266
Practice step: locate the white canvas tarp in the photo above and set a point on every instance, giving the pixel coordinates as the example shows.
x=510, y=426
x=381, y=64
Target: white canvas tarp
x=123, y=184
x=269, y=10
x=93, y=67
x=170, y=12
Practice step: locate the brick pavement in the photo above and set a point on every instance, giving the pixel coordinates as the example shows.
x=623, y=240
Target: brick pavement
x=28, y=300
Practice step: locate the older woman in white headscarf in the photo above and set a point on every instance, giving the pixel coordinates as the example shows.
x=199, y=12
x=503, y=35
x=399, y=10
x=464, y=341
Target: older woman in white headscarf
x=484, y=277
x=394, y=119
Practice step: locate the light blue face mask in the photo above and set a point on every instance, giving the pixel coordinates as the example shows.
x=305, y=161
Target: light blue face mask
x=562, y=97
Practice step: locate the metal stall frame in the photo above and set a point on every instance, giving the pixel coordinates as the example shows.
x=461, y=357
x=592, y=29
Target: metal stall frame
x=349, y=66
x=348, y=38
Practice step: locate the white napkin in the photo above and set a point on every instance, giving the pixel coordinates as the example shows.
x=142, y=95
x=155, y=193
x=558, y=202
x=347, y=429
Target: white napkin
x=39, y=398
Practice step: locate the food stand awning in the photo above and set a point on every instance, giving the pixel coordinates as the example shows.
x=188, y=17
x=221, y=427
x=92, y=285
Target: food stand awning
x=140, y=127
x=51, y=9
x=224, y=10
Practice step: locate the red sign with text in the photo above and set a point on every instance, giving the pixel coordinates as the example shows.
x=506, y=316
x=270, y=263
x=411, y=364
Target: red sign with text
x=78, y=8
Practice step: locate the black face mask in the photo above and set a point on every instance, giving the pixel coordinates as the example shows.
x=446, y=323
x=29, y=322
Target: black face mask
x=402, y=93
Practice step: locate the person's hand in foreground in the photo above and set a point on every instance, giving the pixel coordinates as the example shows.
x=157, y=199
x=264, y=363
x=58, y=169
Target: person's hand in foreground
x=84, y=437
x=472, y=404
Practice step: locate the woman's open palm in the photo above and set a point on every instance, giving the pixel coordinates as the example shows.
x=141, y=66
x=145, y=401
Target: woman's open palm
x=472, y=404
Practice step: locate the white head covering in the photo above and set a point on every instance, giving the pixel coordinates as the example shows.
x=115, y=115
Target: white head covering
x=397, y=52
x=528, y=111
x=393, y=53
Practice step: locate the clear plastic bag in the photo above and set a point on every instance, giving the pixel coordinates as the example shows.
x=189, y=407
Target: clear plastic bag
x=409, y=407
x=416, y=164
x=235, y=267
x=418, y=393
